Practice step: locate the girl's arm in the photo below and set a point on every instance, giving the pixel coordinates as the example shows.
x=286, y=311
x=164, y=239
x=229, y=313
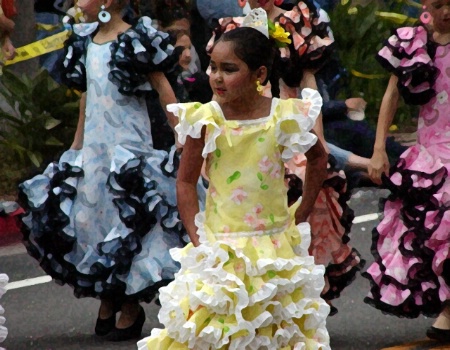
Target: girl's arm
x=309, y=81
x=79, y=134
x=379, y=163
x=316, y=173
x=166, y=95
x=187, y=178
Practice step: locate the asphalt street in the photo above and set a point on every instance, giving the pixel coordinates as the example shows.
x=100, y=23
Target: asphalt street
x=47, y=316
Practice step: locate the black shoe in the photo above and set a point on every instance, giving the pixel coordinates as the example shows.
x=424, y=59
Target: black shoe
x=104, y=326
x=132, y=332
x=442, y=335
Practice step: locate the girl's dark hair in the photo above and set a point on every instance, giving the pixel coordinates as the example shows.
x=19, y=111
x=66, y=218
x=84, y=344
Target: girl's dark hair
x=253, y=47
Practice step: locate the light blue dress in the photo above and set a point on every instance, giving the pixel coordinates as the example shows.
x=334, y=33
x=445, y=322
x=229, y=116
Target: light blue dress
x=103, y=218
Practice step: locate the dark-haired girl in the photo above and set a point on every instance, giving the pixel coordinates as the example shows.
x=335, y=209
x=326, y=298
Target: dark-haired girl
x=104, y=217
x=246, y=279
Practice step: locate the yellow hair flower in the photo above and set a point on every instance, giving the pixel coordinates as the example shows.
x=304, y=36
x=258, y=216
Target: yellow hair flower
x=278, y=33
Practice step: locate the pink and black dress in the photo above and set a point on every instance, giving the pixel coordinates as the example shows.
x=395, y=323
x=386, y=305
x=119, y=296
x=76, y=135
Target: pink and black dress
x=411, y=245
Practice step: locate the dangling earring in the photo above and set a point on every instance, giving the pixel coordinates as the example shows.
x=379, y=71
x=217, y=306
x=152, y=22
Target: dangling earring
x=259, y=87
x=278, y=2
x=425, y=17
x=104, y=16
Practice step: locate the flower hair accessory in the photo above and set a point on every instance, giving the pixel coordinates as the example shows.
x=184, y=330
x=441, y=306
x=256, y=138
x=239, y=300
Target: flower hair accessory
x=257, y=19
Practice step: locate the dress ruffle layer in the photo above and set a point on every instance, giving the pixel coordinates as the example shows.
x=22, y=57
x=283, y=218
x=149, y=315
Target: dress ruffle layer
x=411, y=272
x=409, y=55
x=3, y=330
x=105, y=269
x=312, y=39
x=244, y=292
x=331, y=222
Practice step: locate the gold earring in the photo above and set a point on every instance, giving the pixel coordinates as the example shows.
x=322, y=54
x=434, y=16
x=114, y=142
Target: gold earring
x=259, y=87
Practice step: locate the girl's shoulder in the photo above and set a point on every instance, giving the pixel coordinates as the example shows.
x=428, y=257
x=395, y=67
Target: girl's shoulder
x=409, y=53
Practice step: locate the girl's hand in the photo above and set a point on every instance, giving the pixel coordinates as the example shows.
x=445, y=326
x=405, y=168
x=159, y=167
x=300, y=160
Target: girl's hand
x=379, y=164
x=8, y=49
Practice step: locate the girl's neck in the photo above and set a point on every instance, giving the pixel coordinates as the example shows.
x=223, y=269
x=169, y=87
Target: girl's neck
x=110, y=30
x=247, y=108
x=441, y=38
x=275, y=12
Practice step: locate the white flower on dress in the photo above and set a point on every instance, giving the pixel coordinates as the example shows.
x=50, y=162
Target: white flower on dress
x=265, y=164
x=442, y=97
x=213, y=192
x=238, y=195
x=258, y=208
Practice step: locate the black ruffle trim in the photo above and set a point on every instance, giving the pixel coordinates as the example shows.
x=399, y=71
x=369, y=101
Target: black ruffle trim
x=140, y=207
x=338, y=279
x=72, y=67
x=304, y=57
x=414, y=220
x=412, y=76
x=131, y=65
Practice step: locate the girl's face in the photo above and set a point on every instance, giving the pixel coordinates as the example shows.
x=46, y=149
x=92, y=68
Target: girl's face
x=230, y=78
x=440, y=11
x=90, y=9
x=267, y=5
x=185, y=58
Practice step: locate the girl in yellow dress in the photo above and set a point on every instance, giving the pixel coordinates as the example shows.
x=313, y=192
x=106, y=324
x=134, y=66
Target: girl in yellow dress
x=246, y=279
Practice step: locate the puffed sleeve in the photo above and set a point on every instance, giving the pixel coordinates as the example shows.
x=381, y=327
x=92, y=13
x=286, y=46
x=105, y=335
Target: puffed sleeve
x=406, y=54
x=137, y=52
x=193, y=117
x=295, y=119
x=312, y=38
x=73, y=64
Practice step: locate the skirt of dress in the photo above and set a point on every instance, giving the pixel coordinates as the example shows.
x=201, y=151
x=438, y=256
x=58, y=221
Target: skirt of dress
x=244, y=292
x=103, y=221
x=411, y=245
x=331, y=222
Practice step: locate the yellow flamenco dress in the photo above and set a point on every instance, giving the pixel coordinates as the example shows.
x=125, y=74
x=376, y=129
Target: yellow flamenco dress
x=251, y=283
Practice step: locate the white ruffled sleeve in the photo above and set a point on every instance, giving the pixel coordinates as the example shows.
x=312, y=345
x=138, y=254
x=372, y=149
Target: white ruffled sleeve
x=296, y=117
x=192, y=118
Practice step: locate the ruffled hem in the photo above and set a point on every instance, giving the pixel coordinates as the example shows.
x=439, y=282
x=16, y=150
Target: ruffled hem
x=409, y=55
x=3, y=330
x=331, y=222
x=137, y=52
x=248, y=292
x=410, y=274
x=141, y=204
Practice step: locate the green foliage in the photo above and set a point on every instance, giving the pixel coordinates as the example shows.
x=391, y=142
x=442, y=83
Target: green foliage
x=37, y=117
x=359, y=33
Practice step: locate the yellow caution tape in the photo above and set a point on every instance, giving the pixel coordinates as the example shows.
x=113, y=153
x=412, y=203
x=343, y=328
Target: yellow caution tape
x=40, y=47
x=47, y=27
x=395, y=17
x=367, y=76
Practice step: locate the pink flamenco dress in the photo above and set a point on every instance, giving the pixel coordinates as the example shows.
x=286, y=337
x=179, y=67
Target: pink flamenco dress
x=331, y=219
x=411, y=272
x=312, y=44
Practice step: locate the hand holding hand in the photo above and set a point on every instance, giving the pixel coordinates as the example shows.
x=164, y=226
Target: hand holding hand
x=379, y=164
